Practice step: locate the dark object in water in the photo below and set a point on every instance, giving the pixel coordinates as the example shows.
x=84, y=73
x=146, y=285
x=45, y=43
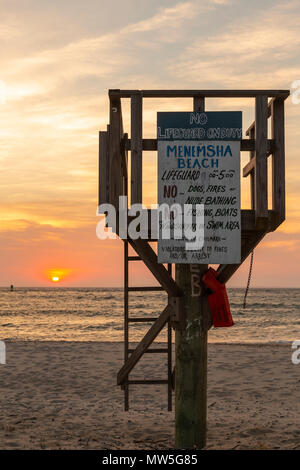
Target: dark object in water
x=11, y=287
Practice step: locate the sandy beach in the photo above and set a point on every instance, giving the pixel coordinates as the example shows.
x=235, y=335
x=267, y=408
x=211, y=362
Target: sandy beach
x=63, y=395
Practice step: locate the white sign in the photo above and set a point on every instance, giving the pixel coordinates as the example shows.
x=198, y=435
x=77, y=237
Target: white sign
x=193, y=171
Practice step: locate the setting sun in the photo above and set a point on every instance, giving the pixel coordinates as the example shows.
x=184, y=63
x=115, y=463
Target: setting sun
x=58, y=274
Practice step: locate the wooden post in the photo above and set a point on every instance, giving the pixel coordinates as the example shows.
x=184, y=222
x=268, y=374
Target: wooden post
x=252, y=174
x=136, y=147
x=103, y=169
x=115, y=131
x=278, y=160
x=261, y=164
x=191, y=354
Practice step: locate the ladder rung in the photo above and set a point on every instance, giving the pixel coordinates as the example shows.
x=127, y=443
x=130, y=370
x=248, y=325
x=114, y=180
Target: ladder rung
x=147, y=382
x=134, y=258
x=145, y=288
x=153, y=350
x=142, y=319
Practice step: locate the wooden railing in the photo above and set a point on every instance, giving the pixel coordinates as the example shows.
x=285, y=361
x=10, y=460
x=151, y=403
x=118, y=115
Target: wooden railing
x=257, y=167
x=115, y=144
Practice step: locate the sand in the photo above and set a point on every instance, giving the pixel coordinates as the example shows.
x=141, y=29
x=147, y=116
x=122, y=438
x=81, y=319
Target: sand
x=63, y=395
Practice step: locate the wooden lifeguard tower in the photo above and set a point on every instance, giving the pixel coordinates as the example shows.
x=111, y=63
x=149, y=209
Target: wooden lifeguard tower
x=114, y=147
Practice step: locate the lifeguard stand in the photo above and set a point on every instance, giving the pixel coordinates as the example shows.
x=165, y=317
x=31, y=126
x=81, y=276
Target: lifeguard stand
x=256, y=222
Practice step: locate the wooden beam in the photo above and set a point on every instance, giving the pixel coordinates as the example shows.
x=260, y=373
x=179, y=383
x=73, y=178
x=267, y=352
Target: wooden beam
x=136, y=147
x=261, y=167
x=141, y=348
x=252, y=126
x=247, y=145
x=153, y=351
x=252, y=174
x=191, y=361
x=249, y=167
x=103, y=168
x=124, y=155
x=147, y=144
x=248, y=220
x=145, y=288
x=201, y=93
x=191, y=353
x=199, y=104
x=278, y=160
x=142, y=319
x=248, y=223
x=114, y=151
x=148, y=382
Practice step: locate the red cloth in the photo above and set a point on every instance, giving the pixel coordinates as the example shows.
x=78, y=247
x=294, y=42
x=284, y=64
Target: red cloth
x=218, y=300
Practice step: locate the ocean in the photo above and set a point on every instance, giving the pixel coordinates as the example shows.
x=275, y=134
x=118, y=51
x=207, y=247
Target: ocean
x=96, y=314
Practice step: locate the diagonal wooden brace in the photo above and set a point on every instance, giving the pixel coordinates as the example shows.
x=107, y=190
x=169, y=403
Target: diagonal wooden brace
x=148, y=255
x=144, y=344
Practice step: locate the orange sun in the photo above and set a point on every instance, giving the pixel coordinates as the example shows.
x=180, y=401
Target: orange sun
x=58, y=275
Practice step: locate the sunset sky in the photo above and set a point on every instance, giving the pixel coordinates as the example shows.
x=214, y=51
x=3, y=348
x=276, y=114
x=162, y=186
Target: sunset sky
x=58, y=60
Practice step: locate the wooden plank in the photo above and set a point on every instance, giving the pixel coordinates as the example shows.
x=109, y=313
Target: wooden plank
x=247, y=145
x=261, y=168
x=249, y=167
x=115, y=175
x=141, y=319
x=148, y=382
x=252, y=174
x=169, y=360
x=191, y=353
x=199, y=104
x=147, y=144
x=191, y=362
x=252, y=126
x=126, y=320
x=124, y=166
x=153, y=351
x=124, y=155
x=103, y=168
x=136, y=147
x=278, y=160
x=149, y=257
x=148, y=339
x=145, y=288
x=201, y=93
x=247, y=221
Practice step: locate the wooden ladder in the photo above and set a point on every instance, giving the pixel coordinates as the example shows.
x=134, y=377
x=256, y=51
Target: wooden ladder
x=143, y=349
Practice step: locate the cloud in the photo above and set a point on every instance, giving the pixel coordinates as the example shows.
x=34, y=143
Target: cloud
x=264, y=50
x=165, y=18
x=56, y=101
